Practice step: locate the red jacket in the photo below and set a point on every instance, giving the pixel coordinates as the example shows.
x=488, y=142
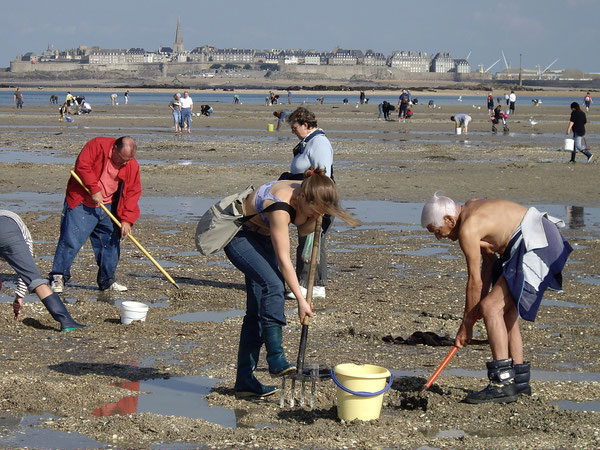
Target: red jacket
x=89, y=166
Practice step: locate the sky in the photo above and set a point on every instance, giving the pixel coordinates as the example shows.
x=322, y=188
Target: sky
x=538, y=30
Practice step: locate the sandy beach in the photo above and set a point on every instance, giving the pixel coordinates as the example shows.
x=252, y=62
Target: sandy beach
x=387, y=277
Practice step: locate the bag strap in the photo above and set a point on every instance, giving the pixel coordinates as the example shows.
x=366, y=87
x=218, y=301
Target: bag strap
x=277, y=206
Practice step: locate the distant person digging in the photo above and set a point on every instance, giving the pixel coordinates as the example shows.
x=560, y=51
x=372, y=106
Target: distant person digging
x=461, y=121
x=113, y=99
x=281, y=116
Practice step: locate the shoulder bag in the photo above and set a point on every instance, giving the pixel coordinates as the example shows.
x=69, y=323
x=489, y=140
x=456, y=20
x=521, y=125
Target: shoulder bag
x=217, y=226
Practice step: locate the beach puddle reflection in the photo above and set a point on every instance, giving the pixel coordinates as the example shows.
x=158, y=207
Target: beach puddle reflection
x=177, y=396
x=208, y=316
x=23, y=431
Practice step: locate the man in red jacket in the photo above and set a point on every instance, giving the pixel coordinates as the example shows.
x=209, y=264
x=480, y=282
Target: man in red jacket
x=109, y=169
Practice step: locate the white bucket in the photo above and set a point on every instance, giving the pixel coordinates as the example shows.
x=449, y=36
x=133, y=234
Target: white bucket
x=131, y=311
x=458, y=130
x=569, y=144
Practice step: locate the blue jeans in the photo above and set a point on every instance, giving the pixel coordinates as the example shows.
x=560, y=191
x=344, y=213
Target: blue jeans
x=176, y=117
x=186, y=118
x=76, y=225
x=253, y=254
x=15, y=251
x=578, y=147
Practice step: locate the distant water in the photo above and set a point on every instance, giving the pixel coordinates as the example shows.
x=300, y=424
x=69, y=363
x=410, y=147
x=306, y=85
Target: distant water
x=38, y=97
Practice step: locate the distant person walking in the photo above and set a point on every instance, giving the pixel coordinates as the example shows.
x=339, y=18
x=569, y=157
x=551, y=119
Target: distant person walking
x=126, y=95
x=69, y=99
x=113, y=99
x=18, y=97
x=403, y=102
x=289, y=94
x=490, y=104
x=63, y=112
x=577, y=126
x=587, y=101
x=362, y=97
x=187, y=106
x=506, y=99
x=512, y=98
x=175, y=106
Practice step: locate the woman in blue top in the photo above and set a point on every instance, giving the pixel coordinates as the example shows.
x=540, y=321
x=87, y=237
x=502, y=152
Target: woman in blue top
x=313, y=150
x=261, y=250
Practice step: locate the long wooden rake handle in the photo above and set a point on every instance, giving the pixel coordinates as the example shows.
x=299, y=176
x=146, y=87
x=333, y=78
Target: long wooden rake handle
x=130, y=236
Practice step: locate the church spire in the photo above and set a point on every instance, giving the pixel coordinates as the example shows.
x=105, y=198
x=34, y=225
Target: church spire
x=178, y=46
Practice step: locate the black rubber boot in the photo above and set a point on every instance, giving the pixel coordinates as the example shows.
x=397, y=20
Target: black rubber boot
x=278, y=365
x=522, y=376
x=502, y=388
x=246, y=384
x=59, y=312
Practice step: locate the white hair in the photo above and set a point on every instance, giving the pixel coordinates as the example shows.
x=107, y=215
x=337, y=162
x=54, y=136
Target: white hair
x=436, y=209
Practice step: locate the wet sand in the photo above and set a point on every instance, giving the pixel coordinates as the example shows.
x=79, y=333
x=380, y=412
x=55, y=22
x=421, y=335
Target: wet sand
x=386, y=277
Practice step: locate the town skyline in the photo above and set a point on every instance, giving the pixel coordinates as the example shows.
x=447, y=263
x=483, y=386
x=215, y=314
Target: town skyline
x=527, y=33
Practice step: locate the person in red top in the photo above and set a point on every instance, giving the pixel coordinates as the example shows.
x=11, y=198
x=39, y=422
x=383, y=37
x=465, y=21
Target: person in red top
x=109, y=169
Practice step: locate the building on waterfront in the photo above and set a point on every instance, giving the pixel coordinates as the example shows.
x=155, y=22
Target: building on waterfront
x=414, y=62
x=341, y=57
x=348, y=63
x=374, y=59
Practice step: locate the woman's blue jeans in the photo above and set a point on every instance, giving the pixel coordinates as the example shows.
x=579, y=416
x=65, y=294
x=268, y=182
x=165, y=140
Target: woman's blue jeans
x=76, y=225
x=253, y=254
x=176, y=117
x=578, y=146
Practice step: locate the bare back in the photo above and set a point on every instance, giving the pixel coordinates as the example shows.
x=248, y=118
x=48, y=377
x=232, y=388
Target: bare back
x=489, y=222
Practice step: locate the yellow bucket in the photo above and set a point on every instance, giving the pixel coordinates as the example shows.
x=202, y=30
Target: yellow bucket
x=360, y=389
x=270, y=127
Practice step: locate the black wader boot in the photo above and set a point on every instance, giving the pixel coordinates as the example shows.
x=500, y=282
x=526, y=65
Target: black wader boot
x=522, y=376
x=59, y=312
x=502, y=388
x=278, y=365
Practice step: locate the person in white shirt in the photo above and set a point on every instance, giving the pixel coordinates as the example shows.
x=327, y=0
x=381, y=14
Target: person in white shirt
x=512, y=98
x=187, y=106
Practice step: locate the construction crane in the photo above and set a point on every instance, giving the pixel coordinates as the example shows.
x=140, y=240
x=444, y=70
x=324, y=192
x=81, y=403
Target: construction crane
x=505, y=61
x=541, y=72
x=489, y=68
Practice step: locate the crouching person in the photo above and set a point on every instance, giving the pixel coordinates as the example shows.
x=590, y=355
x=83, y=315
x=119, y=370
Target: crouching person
x=519, y=253
x=16, y=248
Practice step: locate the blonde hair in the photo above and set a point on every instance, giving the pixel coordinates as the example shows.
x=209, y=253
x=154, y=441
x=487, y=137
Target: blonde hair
x=436, y=209
x=320, y=191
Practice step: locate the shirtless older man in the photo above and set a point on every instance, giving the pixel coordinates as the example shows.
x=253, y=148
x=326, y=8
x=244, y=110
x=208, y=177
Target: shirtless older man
x=519, y=253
